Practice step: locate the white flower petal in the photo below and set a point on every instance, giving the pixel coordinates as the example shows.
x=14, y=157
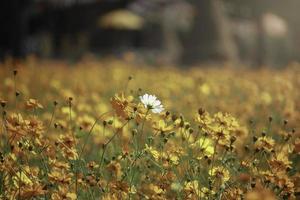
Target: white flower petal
x=152, y=102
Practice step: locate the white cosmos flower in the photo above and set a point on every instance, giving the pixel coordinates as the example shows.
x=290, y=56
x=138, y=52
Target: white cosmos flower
x=152, y=103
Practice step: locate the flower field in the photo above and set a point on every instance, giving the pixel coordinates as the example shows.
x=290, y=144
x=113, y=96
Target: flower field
x=112, y=129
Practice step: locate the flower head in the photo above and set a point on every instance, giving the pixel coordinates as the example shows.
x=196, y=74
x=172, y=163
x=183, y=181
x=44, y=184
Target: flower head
x=220, y=173
x=152, y=103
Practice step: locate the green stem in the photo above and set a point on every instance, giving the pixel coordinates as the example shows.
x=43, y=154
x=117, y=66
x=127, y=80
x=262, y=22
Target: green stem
x=142, y=128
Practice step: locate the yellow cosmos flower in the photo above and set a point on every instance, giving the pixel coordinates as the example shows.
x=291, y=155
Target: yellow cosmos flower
x=21, y=178
x=206, y=147
x=193, y=189
x=153, y=152
x=162, y=126
x=220, y=173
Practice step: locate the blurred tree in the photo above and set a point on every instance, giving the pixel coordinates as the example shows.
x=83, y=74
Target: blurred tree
x=193, y=31
x=14, y=26
x=210, y=39
x=177, y=31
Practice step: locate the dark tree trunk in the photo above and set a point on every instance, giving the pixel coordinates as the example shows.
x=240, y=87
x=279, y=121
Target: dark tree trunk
x=210, y=39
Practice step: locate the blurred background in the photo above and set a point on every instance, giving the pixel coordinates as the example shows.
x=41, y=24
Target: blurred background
x=178, y=32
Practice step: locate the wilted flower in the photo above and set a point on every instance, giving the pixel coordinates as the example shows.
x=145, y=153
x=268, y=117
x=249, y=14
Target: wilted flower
x=122, y=105
x=265, y=143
